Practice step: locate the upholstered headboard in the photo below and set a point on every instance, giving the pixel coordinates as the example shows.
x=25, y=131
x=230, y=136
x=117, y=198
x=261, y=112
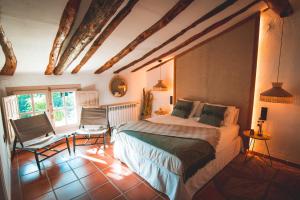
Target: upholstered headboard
x=222, y=70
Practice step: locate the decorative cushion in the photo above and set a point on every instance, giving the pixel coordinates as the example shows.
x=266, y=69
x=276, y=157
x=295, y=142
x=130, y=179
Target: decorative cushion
x=212, y=115
x=195, y=106
x=182, y=108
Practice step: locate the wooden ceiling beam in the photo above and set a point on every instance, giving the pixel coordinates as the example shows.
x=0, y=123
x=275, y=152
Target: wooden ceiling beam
x=10, y=64
x=105, y=34
x=281, y=7
x=65, y=25
x=203, y=18
x=160, y=64
x=98, y=14
x=198, y=35
x=168, y=17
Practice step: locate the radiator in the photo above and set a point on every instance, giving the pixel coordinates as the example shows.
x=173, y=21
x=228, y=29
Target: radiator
x=123, y=113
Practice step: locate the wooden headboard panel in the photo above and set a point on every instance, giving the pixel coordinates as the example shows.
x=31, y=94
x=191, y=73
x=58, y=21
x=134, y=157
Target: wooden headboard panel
x=222, y=70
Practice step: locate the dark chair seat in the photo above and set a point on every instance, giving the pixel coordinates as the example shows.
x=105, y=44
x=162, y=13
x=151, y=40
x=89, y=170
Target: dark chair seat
x=36, y=134
x=93, y=125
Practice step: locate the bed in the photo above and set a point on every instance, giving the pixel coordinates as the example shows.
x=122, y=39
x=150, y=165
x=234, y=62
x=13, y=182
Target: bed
x=199, y=76
x=162, y=169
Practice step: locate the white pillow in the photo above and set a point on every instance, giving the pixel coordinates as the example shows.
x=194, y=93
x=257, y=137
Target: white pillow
x=229, y=115
x=199, y=110
x=195, y=106
x=236, y=116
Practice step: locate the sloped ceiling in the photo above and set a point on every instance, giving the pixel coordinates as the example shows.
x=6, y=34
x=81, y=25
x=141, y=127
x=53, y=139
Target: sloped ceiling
x=31, y=26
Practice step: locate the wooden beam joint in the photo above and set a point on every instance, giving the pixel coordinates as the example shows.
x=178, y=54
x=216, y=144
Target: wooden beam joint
x=281, y=7
x=65, y=25
x=96, y=17
x=105, y=34
x=10, y=65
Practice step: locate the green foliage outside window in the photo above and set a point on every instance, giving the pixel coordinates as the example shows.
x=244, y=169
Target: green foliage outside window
x=57, y=98
x=59, y=115
x=24, y=102
x=40, y=102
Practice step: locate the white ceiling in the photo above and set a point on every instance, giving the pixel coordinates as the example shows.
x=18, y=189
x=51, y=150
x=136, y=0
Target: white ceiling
x=31, y=26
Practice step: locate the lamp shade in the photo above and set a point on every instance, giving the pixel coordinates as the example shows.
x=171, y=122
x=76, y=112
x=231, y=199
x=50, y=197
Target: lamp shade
x=160, y=86
x=276, y=94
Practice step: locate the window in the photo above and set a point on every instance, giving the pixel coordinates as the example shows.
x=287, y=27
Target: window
x=64, y=109
x=32, y=104
x=61, y=106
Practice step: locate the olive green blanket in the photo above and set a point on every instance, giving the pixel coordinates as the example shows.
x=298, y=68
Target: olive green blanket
x=193, y=153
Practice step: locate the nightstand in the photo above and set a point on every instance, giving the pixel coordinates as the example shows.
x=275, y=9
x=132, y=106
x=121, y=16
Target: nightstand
x=265, y=137
x=160, y=111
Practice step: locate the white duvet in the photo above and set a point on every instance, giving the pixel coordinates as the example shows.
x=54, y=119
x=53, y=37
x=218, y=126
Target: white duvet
x=227, y=133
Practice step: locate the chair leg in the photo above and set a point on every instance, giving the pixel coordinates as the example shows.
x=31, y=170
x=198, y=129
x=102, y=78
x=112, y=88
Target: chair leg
x=14, y=149
x=74, y=142
x=68, y=145
x=104, y=140
x=37, y=160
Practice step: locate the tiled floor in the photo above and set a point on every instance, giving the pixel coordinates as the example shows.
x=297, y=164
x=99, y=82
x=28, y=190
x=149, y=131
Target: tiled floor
x=90, y=174
x=95, y=174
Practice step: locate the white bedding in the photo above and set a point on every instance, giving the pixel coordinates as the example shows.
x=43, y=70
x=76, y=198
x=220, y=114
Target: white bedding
x=228, y=133
x=163, y=170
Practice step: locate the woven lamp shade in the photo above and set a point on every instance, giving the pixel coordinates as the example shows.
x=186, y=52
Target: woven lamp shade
x=276, y=94
x=160, y=86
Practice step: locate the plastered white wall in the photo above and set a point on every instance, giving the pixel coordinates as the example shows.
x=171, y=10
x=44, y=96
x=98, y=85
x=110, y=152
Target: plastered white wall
x=283, y=120
x=136, y=81
x=161, y=99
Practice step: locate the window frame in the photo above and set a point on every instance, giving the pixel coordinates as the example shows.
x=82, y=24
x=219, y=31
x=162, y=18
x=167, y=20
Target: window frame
x=31, y=93
x=64, y=109
x=49, y=104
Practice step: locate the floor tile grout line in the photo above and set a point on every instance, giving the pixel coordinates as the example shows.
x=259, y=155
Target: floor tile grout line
x=118, y=197
x=19, y=176
x=111, y=182
x=269, y=184
x=100, y=170
x=138, y=178
x=50, y=182
x=133, y=187
x=78, y=179
x=71, y=169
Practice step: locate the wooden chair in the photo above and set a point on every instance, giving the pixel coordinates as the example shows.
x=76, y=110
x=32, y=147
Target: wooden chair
x=94, y=125
x=36, y=134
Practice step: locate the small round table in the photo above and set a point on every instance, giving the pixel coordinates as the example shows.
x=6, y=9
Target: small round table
x=255, y=137
x=161, y=112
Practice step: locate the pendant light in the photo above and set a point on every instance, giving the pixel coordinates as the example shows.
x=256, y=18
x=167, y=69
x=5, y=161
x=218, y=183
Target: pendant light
x=160, y=86
x=277, y=94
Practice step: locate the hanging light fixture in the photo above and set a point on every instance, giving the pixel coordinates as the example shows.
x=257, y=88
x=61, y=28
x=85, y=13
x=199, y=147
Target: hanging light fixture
x=277, y=94
x=160, y=86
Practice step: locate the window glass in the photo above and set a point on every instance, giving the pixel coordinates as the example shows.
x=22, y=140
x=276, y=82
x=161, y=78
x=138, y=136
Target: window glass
x=26, y=115
x=25, y=104
x=59, y=117
x=40, y=103
x=70, y=107
x=70, y=99
x=63, y=106
x=64, y=109
x=57, y=98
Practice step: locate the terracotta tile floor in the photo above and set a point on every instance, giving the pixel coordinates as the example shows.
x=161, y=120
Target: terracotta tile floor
x=94, y=174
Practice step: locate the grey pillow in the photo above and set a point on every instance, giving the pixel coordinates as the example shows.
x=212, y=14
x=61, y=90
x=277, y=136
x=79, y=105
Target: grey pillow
x=182, y=109
x=212, y=115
